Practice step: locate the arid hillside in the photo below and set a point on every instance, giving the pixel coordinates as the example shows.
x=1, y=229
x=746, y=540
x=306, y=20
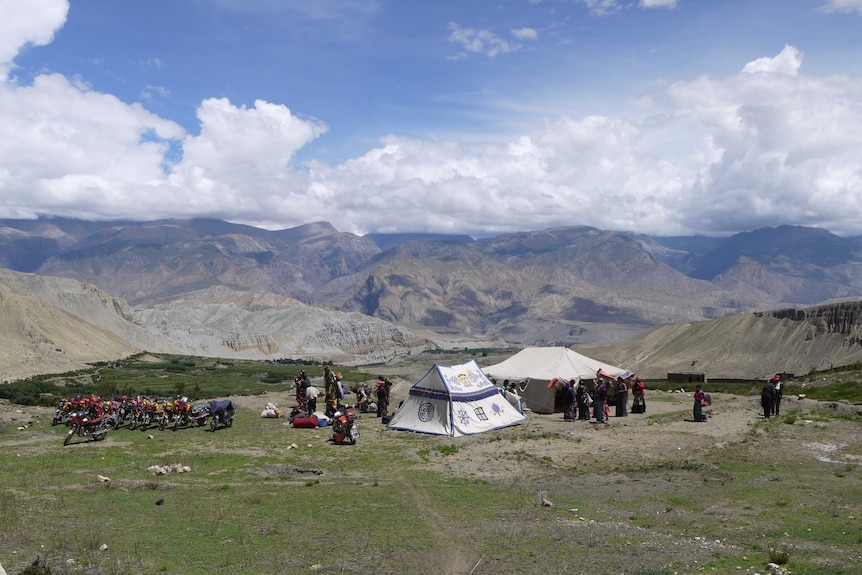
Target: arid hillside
x=51, y=325
x=750, y=345
x=36, y=337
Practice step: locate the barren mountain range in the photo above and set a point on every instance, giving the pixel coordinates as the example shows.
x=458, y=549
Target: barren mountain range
x=210, y=287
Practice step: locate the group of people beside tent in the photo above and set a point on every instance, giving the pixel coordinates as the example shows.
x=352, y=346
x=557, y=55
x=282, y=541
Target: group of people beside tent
x=535, y=367
x=607, y=391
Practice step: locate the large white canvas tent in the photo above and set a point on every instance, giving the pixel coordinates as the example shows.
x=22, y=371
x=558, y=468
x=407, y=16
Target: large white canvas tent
x=539, y=365
x=454, y=400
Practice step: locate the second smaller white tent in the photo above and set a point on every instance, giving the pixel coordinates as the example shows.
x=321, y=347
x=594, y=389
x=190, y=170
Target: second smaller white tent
x=454, y=400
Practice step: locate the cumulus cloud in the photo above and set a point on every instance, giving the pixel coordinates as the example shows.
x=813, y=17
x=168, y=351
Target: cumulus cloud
x=787, y=62
x=32, y=22
x=70, y=151
x=766, y=145
x=718, y=155
x=66, y=150
x=239, y=167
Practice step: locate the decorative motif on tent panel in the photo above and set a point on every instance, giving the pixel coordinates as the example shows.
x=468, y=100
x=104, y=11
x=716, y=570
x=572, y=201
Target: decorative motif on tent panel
x=465, y=381
x=480, y=413
x=426, y=411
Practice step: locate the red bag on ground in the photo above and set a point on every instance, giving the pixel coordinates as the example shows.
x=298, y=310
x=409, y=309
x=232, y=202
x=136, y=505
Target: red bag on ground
x=304, y=422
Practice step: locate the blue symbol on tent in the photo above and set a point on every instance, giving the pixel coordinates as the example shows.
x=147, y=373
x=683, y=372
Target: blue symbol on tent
x=496, y=409
x=426, y=411
x=464, y=416
x=480, y=413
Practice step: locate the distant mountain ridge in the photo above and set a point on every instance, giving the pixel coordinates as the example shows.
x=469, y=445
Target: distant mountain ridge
x=561, y=286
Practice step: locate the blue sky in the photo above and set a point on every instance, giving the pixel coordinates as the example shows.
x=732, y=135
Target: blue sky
x=663, y=116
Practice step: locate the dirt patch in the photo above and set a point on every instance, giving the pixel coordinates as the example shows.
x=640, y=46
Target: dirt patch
x=662, y=437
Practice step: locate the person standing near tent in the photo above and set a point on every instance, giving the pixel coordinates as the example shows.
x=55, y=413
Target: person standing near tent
x=639, y=403
x=569, y=400
x=776, y=401
x=612, y=394
x=383, y=390
x=378, y=390
x=583, y=397
x=767, y=397
x=601, y=401
x=621, y=398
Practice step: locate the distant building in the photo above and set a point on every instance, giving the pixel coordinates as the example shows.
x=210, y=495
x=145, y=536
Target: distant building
x=687, y=377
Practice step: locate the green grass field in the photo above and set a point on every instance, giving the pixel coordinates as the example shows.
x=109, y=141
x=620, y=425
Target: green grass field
x=264, y=498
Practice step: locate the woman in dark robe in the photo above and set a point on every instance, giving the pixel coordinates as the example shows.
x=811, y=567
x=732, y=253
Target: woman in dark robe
x=569, y=400
x=639, y=403
x=583, y=397
x=622, y=398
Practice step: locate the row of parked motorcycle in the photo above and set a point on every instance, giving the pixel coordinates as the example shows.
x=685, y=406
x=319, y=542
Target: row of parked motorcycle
x=92, y=417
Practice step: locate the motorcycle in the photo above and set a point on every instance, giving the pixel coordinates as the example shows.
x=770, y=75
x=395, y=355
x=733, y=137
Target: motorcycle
x=200, y=413
x=63, y=412
x=221, y=413
x=83, y=425
x=179, y=413
x=120, y=410
x=149, y=414
x=344, y=428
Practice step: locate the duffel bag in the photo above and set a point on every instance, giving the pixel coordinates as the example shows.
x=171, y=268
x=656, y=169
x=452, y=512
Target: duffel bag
x=304, y=422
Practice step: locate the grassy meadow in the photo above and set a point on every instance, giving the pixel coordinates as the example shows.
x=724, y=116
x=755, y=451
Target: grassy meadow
x=264, y=498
